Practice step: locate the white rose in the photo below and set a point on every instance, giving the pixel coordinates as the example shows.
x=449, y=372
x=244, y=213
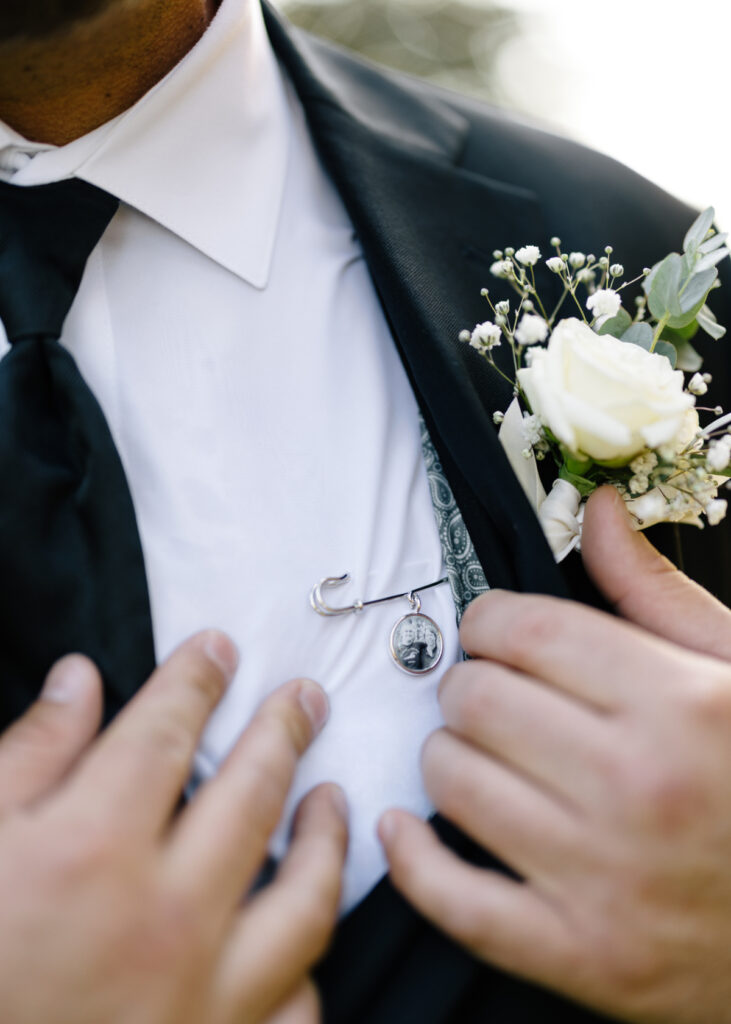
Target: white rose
x=603, y=398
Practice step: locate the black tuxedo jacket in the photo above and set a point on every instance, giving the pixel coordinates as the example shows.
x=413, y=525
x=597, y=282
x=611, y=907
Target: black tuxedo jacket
x=433, y=183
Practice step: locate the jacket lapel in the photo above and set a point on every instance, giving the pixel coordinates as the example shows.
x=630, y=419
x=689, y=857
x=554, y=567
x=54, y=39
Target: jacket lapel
x=427, y=228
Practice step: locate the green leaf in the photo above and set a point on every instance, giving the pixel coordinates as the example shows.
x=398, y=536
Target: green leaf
x=714, y=242
x=664, y=348
x=696, y=289
x=662, y=297
x=688, y=359
x=639, y=334
x=616, y=325
x=699, y=229
x=711, y=259
x=708, y=323
x=683, y=319
x=574, y=463
x=676, y=336
x=584, y=486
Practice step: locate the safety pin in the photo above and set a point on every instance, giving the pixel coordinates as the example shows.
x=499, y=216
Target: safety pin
x=330, y=582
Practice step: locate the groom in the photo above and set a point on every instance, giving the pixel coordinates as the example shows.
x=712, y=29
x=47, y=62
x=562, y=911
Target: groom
x=261, y=448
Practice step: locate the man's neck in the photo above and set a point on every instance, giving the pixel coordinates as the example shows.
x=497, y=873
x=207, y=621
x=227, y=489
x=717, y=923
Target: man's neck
x=57, y=88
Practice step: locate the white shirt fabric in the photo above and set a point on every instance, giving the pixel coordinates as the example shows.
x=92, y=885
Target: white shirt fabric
x=228, y=326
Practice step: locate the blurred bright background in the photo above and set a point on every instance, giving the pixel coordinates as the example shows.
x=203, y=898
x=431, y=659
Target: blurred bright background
x=644, y=80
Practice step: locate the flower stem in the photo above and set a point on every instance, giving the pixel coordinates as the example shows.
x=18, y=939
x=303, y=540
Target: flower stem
x=658, y=331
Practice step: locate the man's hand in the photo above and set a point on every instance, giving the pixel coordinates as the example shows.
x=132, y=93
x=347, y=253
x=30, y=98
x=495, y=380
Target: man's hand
x=116, y=909
x=593, y=756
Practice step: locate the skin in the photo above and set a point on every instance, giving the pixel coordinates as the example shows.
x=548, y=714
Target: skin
x=592, y=754
x=57, y=86
x=117, y=909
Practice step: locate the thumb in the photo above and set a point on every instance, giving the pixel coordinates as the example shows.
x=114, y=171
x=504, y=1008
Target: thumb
x=644, y=586
x=39, y=748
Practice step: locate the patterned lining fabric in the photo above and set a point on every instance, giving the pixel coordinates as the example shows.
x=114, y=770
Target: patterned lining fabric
x=466, y=577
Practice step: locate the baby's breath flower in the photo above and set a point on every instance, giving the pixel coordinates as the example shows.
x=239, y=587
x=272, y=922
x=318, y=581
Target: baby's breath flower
x=532, y=431
x=497, y=418
x=585, y=276
x=531, y=330
x=465, y=335
x=639, y=483
x=608, y=249
x=719, y=454
x=555, y=264
x=528, y=305
x=555, y=241
x=604, y=302
x=503, y=307
x=696, y=385
x=510, y=251
x=501, y=268
x=716, y=511
x=616, y=270
x=644, y=464
x=528, y=255
x=577, y=259
x=486, y=336
x=497, y=254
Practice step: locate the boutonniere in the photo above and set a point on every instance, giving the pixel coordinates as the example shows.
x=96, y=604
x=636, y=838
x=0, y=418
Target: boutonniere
x=607, y=396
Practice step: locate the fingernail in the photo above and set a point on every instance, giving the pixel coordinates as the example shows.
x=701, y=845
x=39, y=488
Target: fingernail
x=314, y=703
x=387, y=827
x=222, y=652
x=339, y=802
x=67, y=681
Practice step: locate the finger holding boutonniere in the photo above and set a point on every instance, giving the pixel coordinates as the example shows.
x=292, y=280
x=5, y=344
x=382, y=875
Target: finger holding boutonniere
x=591, y=756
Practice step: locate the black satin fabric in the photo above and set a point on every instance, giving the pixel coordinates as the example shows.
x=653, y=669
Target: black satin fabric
x=73, y=576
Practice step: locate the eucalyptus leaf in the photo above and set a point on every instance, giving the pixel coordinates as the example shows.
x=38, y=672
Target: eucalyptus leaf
x=683, y=319
x=696, y=289
x=711, y=259
x=708, y=323
x=699, y=229
x=662, y=297
x=664, y=348
x=639, y=334
x=616, y=325
x=677, y=336
x=688, y=359
x=712, y=243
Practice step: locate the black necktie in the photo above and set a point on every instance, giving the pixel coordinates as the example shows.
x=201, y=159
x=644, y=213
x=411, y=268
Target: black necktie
x=72, y=575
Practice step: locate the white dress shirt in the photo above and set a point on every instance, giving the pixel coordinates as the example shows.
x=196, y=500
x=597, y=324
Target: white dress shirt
x=229, y=328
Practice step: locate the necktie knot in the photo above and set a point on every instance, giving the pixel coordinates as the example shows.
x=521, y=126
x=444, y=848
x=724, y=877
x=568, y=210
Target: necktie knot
x=47, y=233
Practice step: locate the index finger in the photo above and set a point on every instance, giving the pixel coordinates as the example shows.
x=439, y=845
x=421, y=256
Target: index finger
x=221, y=839
x=135, y=773
x=588, y=654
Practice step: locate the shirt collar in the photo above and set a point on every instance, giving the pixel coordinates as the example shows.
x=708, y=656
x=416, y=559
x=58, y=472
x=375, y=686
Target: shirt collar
x=204, y=153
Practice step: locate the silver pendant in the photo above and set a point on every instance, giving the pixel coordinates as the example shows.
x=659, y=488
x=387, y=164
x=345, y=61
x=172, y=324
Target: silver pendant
x=416, y=641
